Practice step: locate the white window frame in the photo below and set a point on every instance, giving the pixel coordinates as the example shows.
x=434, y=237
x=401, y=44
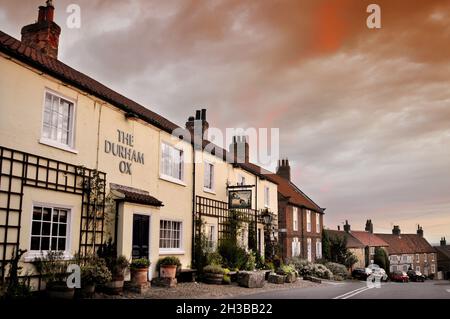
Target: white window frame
x=206, y=188
x=31, y=255
x=294, y=218
x=318, y=248
x=308, y=220
x=266, y=196
x=179, y=250
x=317, y=223
x=309, y=249
x=372, y=250
x=418, y=268
x=70, y=147
x=425, y=257
x=169, y=178
x=211, y=233
x=296, y=247
x=417, y=257
x=433, y=269
x=432, y=257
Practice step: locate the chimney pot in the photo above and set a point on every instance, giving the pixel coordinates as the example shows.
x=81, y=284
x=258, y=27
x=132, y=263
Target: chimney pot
x=347, y=227
x=284, y=169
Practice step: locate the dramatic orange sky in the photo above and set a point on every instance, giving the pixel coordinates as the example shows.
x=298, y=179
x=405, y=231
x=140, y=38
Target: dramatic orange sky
x=364, y=113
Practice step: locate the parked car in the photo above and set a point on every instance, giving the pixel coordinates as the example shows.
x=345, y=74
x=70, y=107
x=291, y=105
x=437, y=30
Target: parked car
x=399, y=276
x=416, y=276
x=378, y=272
x=361, y=273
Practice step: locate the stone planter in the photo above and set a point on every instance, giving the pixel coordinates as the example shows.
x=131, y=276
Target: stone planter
x=252, y=279
x=59, y=290
x=139, y=276
x=277, y=279
x=213, y=279
x=168, y=271
x=115, y=286
x=291, y=277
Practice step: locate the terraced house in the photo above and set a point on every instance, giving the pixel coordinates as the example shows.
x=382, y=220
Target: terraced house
x=300, y=218
x=81, y=163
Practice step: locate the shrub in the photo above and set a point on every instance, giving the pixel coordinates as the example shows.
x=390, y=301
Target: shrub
x=116, y=264
x=95, y=271
x=226, y=280
x=251, y=261
x=213, y=269
x=140, y=263
x=337, y=270
x=301, y=265
x=168, y=261
x=286, y=269
x=234, y=257
x=214, y=258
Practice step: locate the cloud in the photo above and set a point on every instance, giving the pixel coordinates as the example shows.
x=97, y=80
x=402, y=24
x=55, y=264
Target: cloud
x=364, y=114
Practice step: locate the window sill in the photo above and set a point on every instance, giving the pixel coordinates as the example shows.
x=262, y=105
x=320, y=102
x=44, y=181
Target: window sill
x=172, y=252
x=210, y=191
x=172, y=180
x=31, y=256
x=54, y=144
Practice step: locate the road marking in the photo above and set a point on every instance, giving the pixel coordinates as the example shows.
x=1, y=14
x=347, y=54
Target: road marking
x=353, y=293
x=448, y=290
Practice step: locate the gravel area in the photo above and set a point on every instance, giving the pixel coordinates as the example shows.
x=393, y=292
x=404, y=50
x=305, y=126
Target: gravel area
x=194, y=290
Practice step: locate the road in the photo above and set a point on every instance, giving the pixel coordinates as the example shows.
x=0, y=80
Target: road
x=359, y=290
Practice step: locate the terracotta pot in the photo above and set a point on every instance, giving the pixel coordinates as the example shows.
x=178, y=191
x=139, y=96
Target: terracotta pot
x=168, y=271
x=115, y=286
x=213, y=279
x=139, y=275
x=59, y=290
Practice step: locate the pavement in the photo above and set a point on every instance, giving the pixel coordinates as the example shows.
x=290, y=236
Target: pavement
x=430, y=289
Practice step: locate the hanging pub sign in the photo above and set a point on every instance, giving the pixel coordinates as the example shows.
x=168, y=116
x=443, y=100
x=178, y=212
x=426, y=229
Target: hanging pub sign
x=239, y=199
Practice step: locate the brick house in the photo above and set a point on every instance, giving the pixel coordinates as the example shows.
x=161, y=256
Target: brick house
x=300, y=220
x=353, y=245
x=410, y=250
x=369, y=240
x=443, y=258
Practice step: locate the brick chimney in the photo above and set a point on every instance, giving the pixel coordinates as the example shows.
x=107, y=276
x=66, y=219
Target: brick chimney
x=347, y=227
x=198, y=126
x=443, y=241
x=369, y=226
x=44, y=34
x=419, y=231
x=396, y=230
x=240, y=149
x=284, y=169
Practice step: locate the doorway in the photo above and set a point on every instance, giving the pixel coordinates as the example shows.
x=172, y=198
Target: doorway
x=141, y=236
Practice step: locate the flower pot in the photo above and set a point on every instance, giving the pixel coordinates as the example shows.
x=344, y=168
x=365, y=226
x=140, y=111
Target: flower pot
x=213, y=279
x=139, y=276
x=115, y=286
x=168, y=271
x=88, y=291
x=59, y=290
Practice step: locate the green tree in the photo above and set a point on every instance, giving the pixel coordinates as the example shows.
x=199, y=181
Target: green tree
x=326, y=246
x=381, y=258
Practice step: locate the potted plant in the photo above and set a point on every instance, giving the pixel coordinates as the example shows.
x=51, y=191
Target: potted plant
x=213, y=274
x=168, y=267
x=53, y=267
x=94, y=272
x=139, y=271
x=116, y=265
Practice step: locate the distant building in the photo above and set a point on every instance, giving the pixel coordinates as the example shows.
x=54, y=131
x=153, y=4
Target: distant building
x=443, y=258
x=370, y=241
x=300, y=219
x=410, y=251
x=353, y=245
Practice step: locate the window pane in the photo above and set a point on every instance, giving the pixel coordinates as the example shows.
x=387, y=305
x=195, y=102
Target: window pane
x=47, y=213
x=35, y=243
x=61, y=244
x=45, y=243
x=54, y=244
x=46, y=229
x=37, y=213
x=55, y=229
x=63, y=216
x=62, y=230
x=36, y=228
x=55, y=215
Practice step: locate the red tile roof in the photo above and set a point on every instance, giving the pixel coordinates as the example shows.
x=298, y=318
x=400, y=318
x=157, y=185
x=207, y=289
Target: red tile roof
x=369, y=239
x=295, y=196
x=352, y=242
x=444, y=250
x=65, y=73
x=406, y=244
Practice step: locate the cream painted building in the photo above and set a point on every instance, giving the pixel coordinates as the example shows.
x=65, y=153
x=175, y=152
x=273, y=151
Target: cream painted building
x=81, y=163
